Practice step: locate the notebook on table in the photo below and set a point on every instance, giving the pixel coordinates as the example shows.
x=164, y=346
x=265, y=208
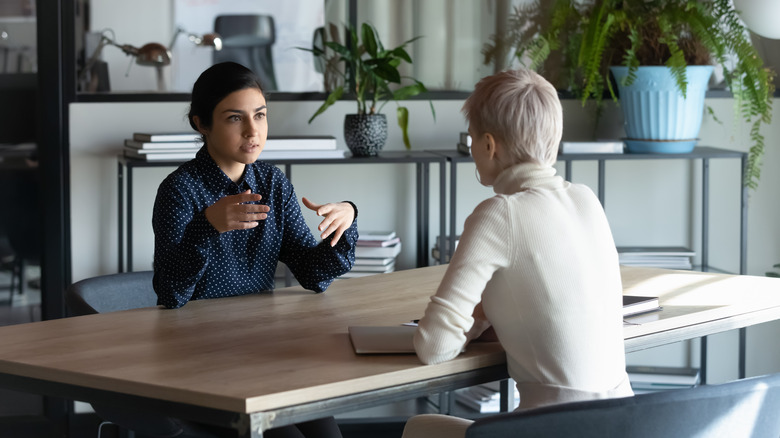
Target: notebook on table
x=635, y=305
x=398, y=339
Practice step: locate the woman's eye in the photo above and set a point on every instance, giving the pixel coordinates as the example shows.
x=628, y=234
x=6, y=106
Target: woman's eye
x=260, y=116
x=234, y=118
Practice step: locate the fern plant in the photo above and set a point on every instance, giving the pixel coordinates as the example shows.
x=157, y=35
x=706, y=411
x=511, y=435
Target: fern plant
x=369, y=69
x=593, y=35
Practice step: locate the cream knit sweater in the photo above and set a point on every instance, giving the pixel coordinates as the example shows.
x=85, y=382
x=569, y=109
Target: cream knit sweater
x=541, y=258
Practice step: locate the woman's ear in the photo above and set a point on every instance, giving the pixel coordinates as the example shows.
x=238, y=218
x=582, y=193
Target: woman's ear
x=201, y=128
x=491, y=145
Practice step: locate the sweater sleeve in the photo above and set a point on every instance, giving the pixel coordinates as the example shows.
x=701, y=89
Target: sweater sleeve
x=448, y=325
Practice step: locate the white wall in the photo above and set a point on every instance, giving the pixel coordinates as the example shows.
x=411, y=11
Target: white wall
x=647, y=202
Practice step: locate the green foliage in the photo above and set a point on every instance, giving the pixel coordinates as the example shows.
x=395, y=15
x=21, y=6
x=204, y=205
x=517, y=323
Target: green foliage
x=592, y=35
x=369, y=69
x=774, y=273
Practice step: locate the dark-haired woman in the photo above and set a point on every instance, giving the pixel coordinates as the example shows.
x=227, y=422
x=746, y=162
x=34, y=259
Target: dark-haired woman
x=223, y=220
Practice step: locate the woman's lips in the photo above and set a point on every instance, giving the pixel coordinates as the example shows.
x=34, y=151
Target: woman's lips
x=250, y=147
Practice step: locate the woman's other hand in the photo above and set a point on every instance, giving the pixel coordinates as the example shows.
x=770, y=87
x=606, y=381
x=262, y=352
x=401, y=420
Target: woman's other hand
x=338, y=217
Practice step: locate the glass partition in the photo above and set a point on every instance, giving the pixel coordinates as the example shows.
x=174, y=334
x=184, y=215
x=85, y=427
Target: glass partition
x=109, y=36
x=112, y=39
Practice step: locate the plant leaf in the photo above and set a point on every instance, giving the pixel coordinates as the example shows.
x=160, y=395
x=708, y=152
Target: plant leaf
x=369, y=40
x=403, y=121
x=332, y=98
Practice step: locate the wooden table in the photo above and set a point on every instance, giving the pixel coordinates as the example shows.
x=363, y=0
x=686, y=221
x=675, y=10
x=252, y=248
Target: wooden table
x=260, y=361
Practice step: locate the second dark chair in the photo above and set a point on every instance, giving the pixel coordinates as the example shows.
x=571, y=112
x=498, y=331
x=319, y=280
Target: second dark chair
x=248, y=40
x=745, y=408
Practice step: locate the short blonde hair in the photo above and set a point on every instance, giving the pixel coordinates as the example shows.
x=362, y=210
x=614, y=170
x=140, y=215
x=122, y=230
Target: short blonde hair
x=522, y=111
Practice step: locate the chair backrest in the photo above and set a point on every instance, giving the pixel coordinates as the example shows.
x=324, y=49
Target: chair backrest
x=743, y=408
x=110, y=293
x=247, y=40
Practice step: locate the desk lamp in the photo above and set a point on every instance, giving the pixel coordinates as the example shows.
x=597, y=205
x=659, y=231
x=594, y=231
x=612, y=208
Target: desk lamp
x=151, y=54
x=205, y=40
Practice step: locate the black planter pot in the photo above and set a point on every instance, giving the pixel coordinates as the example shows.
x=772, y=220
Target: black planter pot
x=365, y=134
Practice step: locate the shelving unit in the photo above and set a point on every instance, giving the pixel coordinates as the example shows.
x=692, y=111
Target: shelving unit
x=422, y=161
x=701, y=153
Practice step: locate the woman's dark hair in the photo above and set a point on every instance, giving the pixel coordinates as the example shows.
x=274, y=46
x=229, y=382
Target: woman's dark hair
x=216, y=83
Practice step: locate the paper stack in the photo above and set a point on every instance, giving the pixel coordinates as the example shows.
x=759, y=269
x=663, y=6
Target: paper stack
x=375, y=253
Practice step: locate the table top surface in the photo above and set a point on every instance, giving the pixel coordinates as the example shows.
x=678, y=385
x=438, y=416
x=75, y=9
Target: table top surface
x=263, y=352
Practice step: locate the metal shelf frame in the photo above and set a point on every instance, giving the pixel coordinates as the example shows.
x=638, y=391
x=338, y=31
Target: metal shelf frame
x=421, y=160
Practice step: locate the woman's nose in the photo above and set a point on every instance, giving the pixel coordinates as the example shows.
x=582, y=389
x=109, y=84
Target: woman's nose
x=250, y=130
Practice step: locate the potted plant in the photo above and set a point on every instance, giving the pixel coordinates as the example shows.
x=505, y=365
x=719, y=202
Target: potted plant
x=672, y=40
x=369, y=69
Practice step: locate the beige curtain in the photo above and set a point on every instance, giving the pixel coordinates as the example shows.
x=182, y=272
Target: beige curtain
x=448, y=56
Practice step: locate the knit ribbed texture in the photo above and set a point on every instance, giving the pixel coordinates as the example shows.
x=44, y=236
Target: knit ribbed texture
x=543, y=253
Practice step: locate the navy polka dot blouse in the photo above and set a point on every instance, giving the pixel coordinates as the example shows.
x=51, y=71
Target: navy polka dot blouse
x=192, y=260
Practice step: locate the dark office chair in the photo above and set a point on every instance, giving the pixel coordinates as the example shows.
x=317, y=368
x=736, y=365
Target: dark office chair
x=743, y=408
x=247, y=40
x=125, y=291
x=111, y=293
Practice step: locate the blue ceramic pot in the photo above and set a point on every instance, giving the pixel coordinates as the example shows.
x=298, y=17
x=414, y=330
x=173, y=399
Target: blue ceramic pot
x=655, y=110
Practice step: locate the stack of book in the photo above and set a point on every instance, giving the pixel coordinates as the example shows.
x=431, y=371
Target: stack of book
x=592, y=147
x=375, y=253
x=464, y=144
x=301, y=146
x=184, y=146
x=653, y=378
x=669, y=257
x=163, y=146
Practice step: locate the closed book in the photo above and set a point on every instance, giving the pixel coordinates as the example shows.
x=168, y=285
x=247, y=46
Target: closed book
x=376, y=235
x=378, y=252
x=365, y=261
x=653, y=251
x=165, y=145
x=374, y=268
x=166, y=136
x=634, y=305
x=592, y=147
x=303, y=142
x=301, y=154
x=358, y=274
x=140, y=152
x=388, y=242
x=643, y=374
x=168, y=156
